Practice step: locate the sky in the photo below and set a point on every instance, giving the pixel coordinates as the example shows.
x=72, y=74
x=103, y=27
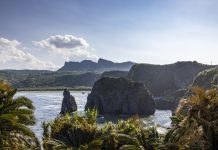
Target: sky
x=43, y=34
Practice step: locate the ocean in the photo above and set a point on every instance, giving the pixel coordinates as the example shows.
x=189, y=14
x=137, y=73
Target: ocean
x=48, y=104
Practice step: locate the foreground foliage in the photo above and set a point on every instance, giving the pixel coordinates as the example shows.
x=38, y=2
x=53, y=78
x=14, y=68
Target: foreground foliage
x=15, y=115
x=196, y=121
x=195, y=126
x=81, y=132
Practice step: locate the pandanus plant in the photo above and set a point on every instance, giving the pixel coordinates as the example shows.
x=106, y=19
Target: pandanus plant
x=196, y=121
x=15, y=116
x=70, y=131
x=81, y=132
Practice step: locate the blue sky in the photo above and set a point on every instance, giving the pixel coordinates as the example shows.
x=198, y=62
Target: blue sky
x=43, y=34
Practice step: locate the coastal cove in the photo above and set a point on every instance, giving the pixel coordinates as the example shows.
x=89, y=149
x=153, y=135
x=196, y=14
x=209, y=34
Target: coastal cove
x=48, y=104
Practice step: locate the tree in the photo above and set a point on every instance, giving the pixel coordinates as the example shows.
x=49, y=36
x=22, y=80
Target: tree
x=15, y=116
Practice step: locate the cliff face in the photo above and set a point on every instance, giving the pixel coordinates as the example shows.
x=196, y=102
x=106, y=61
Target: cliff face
x=120, y=96
x=207, y=79
x=163, y=80
x=101, y=66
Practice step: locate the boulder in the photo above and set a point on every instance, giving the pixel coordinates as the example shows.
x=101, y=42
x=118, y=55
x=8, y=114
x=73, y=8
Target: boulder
x=120, y=96
x=68, y=103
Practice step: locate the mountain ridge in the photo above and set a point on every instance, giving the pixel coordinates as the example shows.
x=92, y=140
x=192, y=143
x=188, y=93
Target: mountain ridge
x=101, y=66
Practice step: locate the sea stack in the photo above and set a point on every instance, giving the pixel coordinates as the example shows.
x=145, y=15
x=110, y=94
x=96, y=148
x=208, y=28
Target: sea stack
x=120, y=96
x=68, y=103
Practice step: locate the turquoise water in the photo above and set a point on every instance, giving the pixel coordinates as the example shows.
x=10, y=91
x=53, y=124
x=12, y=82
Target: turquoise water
x=48, y=104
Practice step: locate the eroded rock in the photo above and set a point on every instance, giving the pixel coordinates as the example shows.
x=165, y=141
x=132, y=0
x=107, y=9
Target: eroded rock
x=120, y=96
x=68, y=103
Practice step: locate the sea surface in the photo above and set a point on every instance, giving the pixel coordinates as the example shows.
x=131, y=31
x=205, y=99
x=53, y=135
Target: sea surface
x=48, y=104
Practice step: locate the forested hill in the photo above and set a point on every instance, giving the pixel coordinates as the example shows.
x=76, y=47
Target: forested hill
x=46, y=79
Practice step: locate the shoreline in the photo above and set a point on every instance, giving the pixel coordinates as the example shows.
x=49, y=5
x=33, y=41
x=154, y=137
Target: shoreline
x=55, y=89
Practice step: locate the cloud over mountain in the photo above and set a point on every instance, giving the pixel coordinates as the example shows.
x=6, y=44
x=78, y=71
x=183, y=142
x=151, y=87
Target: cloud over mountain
x=69, y=46
x=12, y=53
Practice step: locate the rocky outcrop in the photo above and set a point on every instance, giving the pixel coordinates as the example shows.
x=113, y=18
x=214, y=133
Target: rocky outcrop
x=207, y=79
x=162, y=80
x=170, y=102
x=120, y=96
x=68, y=103
x=101, y=66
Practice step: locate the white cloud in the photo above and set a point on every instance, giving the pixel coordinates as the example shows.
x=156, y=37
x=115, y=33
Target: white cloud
x=11, y=52
x=69, y=46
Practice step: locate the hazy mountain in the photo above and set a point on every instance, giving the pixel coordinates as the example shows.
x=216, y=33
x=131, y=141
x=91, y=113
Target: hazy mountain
x=100, y=66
